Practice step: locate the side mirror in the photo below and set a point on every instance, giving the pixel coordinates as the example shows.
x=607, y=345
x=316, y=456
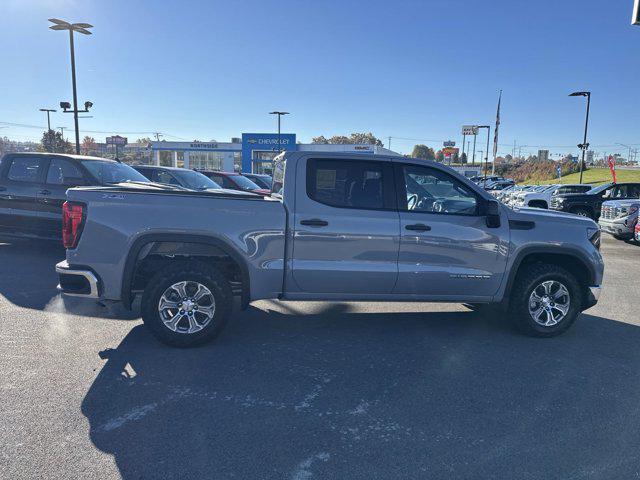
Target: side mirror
x=492, y=212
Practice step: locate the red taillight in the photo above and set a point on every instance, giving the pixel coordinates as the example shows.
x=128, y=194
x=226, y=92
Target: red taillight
x=72, y=221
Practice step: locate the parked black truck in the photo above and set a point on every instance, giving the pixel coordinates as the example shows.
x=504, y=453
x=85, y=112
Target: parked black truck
x=588, y=204
x=33, y=188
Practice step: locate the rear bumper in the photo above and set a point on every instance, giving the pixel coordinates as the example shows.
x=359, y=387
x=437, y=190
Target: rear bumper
x=593, y=295
x=77, y=282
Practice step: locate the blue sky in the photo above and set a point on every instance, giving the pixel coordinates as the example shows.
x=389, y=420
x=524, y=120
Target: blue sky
x=409, y=69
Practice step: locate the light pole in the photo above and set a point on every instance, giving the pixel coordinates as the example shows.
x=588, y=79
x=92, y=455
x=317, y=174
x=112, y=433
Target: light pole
x=486, y=152
x=80, y=28
x=473, y=158
x=279, y=114
x=584, y=145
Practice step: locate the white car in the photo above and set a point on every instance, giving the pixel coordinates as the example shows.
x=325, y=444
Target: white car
x=537, y=197
x=540, y=197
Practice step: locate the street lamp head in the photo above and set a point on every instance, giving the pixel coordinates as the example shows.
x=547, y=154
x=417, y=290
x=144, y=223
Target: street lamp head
x=76, y=27
x=47, y=110
x=278, y=113
x=65, y=105
x=580, y=94
x=88, y=105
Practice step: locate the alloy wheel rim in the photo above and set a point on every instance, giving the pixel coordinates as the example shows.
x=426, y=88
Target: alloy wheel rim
x=549, y=303
x=186, y=307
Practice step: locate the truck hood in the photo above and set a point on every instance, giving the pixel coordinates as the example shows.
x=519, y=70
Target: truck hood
x=575, y=196
x=621, y=203
x=541, y=215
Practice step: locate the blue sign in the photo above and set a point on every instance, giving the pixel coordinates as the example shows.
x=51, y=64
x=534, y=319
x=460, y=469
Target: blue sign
x=265, y=142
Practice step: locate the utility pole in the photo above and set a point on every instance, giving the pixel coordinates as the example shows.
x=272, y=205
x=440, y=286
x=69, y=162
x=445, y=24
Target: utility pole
x=158, y=135
x=389, y=142
x=48, y=110
x=62, y=131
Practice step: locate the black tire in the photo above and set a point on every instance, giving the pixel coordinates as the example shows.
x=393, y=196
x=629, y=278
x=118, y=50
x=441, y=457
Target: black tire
x=526, y=282
x=583, y=212
x=191, y=271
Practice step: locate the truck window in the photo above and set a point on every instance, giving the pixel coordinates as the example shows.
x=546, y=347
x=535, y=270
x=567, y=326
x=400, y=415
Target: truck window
x=350, y=184
x=64, y=172
x=25, y=169
x=432, y=191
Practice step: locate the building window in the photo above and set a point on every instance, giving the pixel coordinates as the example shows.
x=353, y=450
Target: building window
x=237, y=161
x=166, y=158
x=206, y=160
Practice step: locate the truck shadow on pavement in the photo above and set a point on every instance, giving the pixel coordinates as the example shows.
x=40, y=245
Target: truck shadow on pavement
x=29, y=280
x=341, y=394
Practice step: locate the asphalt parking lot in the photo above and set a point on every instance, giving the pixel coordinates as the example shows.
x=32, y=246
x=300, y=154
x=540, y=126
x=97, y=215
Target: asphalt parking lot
x=301, y=391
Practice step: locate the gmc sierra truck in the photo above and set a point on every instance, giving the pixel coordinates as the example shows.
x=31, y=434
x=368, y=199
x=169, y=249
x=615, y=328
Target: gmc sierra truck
x=337, y=227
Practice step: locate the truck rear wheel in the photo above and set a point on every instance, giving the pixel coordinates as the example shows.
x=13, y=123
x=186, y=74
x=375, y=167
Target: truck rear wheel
x=545, y=300
x=186, y=303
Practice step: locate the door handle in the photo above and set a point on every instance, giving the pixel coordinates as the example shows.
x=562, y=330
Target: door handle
x=418, y=227
x=44, y=192
x=314, y=222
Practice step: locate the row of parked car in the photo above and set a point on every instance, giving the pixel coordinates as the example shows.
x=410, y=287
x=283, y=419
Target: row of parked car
x=33, y=186
x=613, y=205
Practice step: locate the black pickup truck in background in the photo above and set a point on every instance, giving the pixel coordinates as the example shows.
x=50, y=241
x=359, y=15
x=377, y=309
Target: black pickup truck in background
x=588, y=204
x=33, y=188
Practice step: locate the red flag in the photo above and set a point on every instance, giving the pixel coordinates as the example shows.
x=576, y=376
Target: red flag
x=612, y=168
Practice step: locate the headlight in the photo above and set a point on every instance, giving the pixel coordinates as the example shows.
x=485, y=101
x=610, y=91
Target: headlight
x=593, y=234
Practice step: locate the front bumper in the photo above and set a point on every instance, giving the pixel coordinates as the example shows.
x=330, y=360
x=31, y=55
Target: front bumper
x=77, y=282
x=593, y=295
x=618, y=227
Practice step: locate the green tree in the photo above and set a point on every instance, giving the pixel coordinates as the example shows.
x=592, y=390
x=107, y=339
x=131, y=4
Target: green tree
x=367, y=138
x=440, y=156
x=463, y=158
x=423, y=152
x=88, y=145
x=320, y=140
x=144, y=140
x=52, y=141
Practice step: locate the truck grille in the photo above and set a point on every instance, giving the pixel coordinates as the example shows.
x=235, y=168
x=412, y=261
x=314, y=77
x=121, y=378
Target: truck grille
x=610, y=213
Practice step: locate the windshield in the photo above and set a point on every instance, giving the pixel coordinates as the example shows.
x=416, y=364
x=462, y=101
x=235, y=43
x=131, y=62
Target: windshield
x=244, y=182
x=113, y=172
x=263, y=181
x=598, y=189
x=196, y=180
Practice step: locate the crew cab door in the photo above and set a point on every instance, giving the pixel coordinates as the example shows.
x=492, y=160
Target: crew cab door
x=22, y=179
x=346, y=227
x=446, y=248
x=62, y=174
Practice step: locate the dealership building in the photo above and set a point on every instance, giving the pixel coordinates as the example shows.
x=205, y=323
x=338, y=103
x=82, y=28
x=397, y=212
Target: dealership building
x=253, y=152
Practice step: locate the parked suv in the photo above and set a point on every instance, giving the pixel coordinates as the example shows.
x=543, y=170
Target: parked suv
x=177, y=176
x=262, y=180
x=588, y=204
x=619, y=218
x=33, y=188
x=235, y=181
x=346, y=227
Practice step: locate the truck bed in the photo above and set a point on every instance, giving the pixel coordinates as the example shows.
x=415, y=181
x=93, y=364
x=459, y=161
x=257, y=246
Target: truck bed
x=121, y=220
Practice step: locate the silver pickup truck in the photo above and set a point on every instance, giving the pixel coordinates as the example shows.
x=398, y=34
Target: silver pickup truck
x=339, y=227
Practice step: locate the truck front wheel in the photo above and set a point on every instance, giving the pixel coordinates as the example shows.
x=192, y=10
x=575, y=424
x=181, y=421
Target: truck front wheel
x=186, y=303
x=545, y=300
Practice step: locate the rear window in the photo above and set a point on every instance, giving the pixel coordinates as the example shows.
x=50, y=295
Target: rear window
x=113, y=172
x=244, y=182
x=25, y=169
x=343, y=183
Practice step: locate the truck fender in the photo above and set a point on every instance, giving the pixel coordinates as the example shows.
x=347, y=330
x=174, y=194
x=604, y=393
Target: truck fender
x=189, y=244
